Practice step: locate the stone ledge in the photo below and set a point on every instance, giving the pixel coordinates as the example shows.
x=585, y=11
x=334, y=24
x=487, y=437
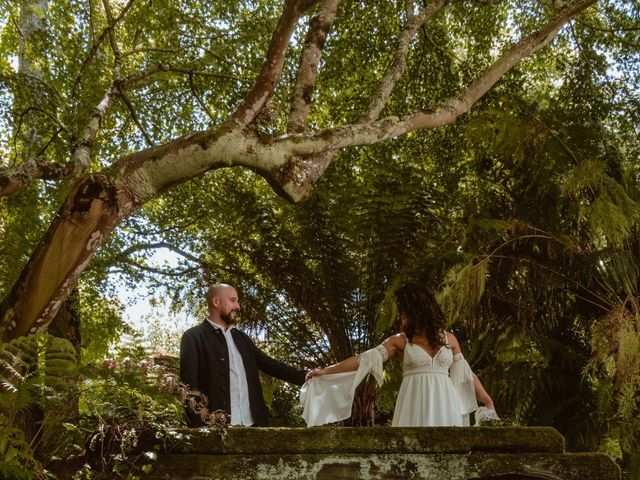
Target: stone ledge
x=372, y=440
x=386, y=467
x=379, y=453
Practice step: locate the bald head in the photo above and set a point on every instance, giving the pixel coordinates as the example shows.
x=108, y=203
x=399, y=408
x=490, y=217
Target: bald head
x=215, y=290
x=223, y=303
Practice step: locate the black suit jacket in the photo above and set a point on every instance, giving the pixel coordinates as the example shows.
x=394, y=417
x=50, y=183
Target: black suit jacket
x=204, y=365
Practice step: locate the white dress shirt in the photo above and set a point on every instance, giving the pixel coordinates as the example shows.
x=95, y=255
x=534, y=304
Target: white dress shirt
x=238, y=388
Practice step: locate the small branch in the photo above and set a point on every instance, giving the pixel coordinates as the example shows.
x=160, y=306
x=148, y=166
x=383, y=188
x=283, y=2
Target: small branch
x=136, y=119
x=205, y=74
x=112, y=39
x=266, y=82
x=556, y=136
x=50, y=116
x=136, y=77
x=96, y=45
x=160, y=271
x=308, y=70
x=149, y=49
x=158, y=245
x=46, y=145
x=17, y=178
x=234, y=63
x=635, y=28
x=124, y=258
x=199, y=100
x=438, y=47
x=399, y=63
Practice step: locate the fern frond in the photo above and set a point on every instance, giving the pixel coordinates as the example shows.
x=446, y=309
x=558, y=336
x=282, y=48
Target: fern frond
x=464, y=286
x=605, y=205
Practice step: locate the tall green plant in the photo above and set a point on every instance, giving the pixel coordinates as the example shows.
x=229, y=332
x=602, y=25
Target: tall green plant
x=37, y=377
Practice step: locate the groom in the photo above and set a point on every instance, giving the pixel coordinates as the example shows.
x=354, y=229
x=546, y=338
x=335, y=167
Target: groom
x=222, y=362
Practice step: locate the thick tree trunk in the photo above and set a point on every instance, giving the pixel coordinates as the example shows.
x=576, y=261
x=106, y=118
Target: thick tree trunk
x=92, y=210
x=363, y=411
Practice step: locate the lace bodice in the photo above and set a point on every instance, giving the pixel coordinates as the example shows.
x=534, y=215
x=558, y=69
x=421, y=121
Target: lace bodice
x=417, y=360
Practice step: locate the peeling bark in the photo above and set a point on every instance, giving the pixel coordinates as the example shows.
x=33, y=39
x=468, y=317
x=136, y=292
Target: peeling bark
x=16, y=179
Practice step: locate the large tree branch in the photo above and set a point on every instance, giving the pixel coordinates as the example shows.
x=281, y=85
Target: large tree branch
x=282, y=160
x=297, y=179
x=308, y=70
x=15, y=179
x=525, y=48
x=266, y=82
x=315, y=165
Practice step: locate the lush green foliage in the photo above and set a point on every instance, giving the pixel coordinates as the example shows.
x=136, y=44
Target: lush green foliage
x=524, y=214
x=111, y=421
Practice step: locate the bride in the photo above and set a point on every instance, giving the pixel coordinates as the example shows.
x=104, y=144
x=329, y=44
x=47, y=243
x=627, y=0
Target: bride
x=438, y=387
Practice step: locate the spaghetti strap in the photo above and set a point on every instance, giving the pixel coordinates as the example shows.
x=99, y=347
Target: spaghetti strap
x=446, y=338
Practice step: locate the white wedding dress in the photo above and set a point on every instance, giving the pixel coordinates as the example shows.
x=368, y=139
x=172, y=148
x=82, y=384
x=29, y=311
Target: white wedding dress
x=435, y=391
x=427, y=396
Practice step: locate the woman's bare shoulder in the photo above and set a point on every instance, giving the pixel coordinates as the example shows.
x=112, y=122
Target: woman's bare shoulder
x=399, y=340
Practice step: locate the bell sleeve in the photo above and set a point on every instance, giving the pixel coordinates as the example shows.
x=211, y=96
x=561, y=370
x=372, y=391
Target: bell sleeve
x=462, y=379
x=329, y=398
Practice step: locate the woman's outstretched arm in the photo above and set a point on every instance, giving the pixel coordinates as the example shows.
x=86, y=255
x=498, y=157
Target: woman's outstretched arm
x=347, y=365
x=392, y=344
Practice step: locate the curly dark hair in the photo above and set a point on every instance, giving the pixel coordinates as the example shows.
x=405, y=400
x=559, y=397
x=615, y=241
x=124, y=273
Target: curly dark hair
x=423, y=313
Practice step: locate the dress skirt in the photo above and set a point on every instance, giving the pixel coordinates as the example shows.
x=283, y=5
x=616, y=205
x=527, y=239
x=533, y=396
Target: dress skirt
x=427, y=399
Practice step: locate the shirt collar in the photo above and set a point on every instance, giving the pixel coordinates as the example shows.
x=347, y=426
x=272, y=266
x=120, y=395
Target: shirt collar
x=215, y=325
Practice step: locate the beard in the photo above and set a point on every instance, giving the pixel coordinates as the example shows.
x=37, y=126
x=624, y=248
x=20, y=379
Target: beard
x=229, y=317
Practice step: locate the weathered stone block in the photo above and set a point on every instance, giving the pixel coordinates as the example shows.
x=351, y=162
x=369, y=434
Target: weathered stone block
x=380, y=453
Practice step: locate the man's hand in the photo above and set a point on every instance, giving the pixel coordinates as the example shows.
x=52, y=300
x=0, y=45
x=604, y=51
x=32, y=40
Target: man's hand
x=316, y=372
